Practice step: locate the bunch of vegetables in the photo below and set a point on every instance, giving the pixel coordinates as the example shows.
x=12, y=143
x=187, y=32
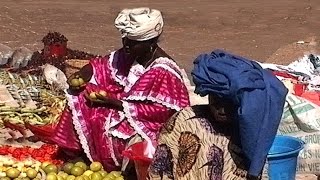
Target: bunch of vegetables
x=48, y=113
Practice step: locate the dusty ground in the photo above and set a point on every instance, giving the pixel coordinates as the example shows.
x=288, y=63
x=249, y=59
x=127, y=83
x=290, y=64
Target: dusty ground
x=255, y=29
x=261, y=30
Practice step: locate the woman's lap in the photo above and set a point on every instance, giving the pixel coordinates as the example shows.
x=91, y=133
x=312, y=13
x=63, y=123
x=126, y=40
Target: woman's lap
x=196, y=151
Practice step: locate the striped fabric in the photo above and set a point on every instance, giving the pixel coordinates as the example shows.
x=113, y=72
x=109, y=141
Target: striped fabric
x=149, y=95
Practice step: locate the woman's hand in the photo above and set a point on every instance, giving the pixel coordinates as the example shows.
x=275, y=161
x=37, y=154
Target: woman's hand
x=101, y=98
x=76, y=82
x=97, y=97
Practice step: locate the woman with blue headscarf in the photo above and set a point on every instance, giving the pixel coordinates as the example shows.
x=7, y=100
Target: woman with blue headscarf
x=230, y=137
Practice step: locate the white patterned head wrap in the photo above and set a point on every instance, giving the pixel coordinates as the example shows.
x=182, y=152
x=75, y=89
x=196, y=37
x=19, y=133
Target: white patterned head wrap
x=139, y=24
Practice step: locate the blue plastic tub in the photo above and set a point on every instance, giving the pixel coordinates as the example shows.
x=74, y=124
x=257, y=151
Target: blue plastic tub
x=282, y=158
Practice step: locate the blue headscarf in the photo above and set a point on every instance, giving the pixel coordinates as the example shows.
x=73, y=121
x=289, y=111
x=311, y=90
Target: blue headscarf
x=257, y=93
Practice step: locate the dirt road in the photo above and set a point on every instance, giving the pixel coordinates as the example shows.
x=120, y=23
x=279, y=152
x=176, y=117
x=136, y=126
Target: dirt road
x=255, y=29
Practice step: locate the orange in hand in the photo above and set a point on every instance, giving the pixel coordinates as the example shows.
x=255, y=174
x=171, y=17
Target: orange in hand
x=103, y=93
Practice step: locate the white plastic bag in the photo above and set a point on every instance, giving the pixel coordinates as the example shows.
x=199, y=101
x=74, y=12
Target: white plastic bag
x=27, y=56
x=55, y=76
x=303, y=65
x=16, y=60
x=20, y=58
x=5, y=54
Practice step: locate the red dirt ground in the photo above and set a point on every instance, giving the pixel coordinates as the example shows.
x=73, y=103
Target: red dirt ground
x=254, y=29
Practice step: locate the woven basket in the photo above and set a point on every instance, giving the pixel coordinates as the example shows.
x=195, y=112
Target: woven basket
x=74, y=65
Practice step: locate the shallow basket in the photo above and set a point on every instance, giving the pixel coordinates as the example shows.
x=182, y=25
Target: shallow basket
x=74, y=65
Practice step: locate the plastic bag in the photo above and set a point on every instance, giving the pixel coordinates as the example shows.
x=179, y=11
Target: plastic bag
x=141, y=153
x=55, y=76
x=20, y=58
x=27, y=56
x=5, y=54
x=315, y=61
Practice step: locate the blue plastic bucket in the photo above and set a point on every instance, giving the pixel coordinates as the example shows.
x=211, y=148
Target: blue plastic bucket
x=282, y=158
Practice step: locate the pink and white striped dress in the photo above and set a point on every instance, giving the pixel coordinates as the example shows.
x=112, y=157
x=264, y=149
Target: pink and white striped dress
x=149, y=95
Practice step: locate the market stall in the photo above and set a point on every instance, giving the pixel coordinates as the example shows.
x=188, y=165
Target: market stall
x=32, y=101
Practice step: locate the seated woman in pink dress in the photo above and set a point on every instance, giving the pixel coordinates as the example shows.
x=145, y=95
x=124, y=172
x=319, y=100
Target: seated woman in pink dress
x=144, y=88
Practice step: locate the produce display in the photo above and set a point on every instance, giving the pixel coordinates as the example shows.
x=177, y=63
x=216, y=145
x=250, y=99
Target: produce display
x=29, y=99
x=55, y=52
x=28, y=103
x=32, y=166
x=28, y=156
x=53, y=38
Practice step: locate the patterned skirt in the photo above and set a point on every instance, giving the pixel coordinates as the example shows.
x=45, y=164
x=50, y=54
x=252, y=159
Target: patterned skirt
x=192, y=146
